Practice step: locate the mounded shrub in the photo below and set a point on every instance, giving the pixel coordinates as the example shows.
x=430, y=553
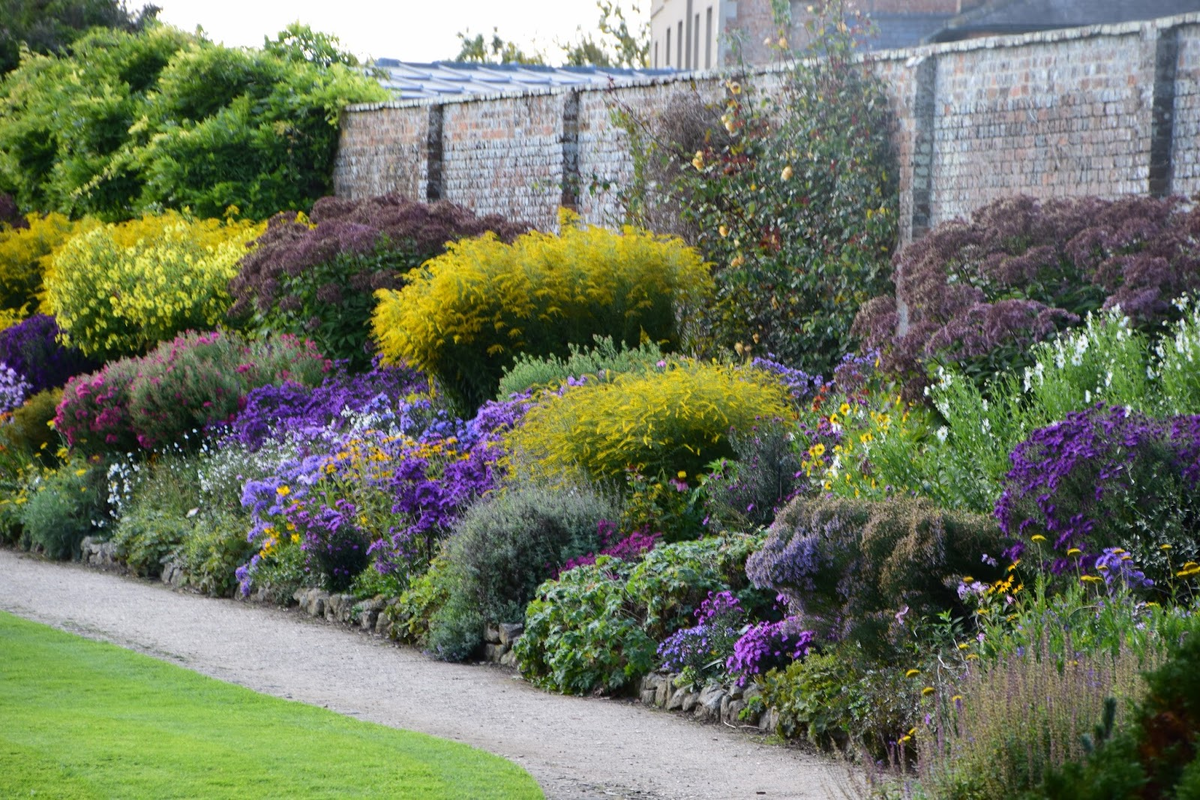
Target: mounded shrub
x=182, y=386
x=1106, y=478
x=119, y=290
x=853, y=568
x=674, y=418
x=60, y=508
x=472, y=310
x=979, y=293
x=501, y=551
x=317, y=277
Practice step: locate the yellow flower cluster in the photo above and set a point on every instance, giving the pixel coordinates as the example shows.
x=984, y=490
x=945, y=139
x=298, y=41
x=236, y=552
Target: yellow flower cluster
x=120, y=289
x=482, y=301
x=676, y=419
x=25, y=255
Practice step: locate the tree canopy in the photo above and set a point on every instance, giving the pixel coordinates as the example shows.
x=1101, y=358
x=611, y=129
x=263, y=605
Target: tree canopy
x=128, y=122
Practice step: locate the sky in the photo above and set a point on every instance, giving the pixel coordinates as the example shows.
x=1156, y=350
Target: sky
x=408, y=30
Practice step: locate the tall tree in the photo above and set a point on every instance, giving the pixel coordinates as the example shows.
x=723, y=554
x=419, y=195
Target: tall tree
x=50, y=26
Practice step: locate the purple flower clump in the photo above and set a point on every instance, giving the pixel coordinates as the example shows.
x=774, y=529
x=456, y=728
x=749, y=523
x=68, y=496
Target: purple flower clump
x=706, y=645
x=767, y=646
x=631, y=548
x=1100, y=477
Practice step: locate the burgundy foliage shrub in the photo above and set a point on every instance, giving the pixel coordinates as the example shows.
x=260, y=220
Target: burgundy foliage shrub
x=979, y=293
x=320, y=281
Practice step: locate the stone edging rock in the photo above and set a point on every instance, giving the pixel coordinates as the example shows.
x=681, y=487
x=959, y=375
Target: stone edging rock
x=728, y=704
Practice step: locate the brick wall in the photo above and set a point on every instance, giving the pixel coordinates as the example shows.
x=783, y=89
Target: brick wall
x=1108, y=110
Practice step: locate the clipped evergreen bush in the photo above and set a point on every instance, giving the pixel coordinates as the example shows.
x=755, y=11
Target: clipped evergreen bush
x=471, y=311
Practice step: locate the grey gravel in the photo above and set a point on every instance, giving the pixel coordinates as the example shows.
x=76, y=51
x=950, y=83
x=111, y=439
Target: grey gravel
x=576, y=748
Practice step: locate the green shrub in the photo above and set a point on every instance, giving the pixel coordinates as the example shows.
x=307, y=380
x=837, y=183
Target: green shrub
x=603, y=358
x=146, y=537
x=472, y=310
x=119, y=290
x=212, y=550
x=501, y=551
x=838, y=698
x=412, y=611
x=579, y=638
x=672, y=419
x=670, y=583
x=30, y=430
x=852, y=566
x=128, y=122
x=62, y=507
x=597, y=627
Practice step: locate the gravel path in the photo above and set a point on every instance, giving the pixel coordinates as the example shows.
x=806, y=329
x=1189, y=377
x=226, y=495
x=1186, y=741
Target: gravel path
x=577, y=749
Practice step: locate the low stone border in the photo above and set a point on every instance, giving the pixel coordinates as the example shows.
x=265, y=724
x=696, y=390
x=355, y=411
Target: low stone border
x=727, y=704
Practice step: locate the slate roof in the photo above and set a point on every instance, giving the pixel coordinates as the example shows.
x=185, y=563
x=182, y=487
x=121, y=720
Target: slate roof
x=1000, y=17
x=897, y=31
x=448, y=79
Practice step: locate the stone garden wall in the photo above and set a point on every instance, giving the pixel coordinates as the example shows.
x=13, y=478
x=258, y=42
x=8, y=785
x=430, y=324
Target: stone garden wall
x=1106, y=110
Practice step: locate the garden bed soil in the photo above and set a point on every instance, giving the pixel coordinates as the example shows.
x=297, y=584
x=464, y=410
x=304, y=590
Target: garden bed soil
x=576, y=748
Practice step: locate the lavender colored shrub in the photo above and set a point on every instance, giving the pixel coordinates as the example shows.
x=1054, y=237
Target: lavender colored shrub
x=319, y=280
x=1106, y=478
x=978, y=293
x=852, y=569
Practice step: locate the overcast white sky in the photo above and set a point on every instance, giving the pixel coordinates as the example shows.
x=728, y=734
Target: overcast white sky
x=409, y=30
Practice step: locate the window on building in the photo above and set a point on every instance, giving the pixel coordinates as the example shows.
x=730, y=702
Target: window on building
x=656, y=55
x=696, y=42
x=679, y=45
x=668, y=47
x=707, y=39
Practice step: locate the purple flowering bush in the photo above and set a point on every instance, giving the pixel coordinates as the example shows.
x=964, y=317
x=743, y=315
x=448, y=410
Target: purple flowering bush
x=701, y=651
x=849, y=567
x=1104, y=478
x=408, y=469
x=978, y=293
x=768, y=645
x=318, y=280
x=13, y=389
x=31, y=348
x=312, y=412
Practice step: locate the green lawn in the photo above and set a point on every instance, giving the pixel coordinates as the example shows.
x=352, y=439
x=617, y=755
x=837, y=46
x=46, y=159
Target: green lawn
x=81, y=719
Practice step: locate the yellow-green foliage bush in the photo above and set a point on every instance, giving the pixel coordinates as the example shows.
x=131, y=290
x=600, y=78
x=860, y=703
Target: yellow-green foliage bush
x=25, y=256
x=472, y=310
x=674, y=419
x=119, y=290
